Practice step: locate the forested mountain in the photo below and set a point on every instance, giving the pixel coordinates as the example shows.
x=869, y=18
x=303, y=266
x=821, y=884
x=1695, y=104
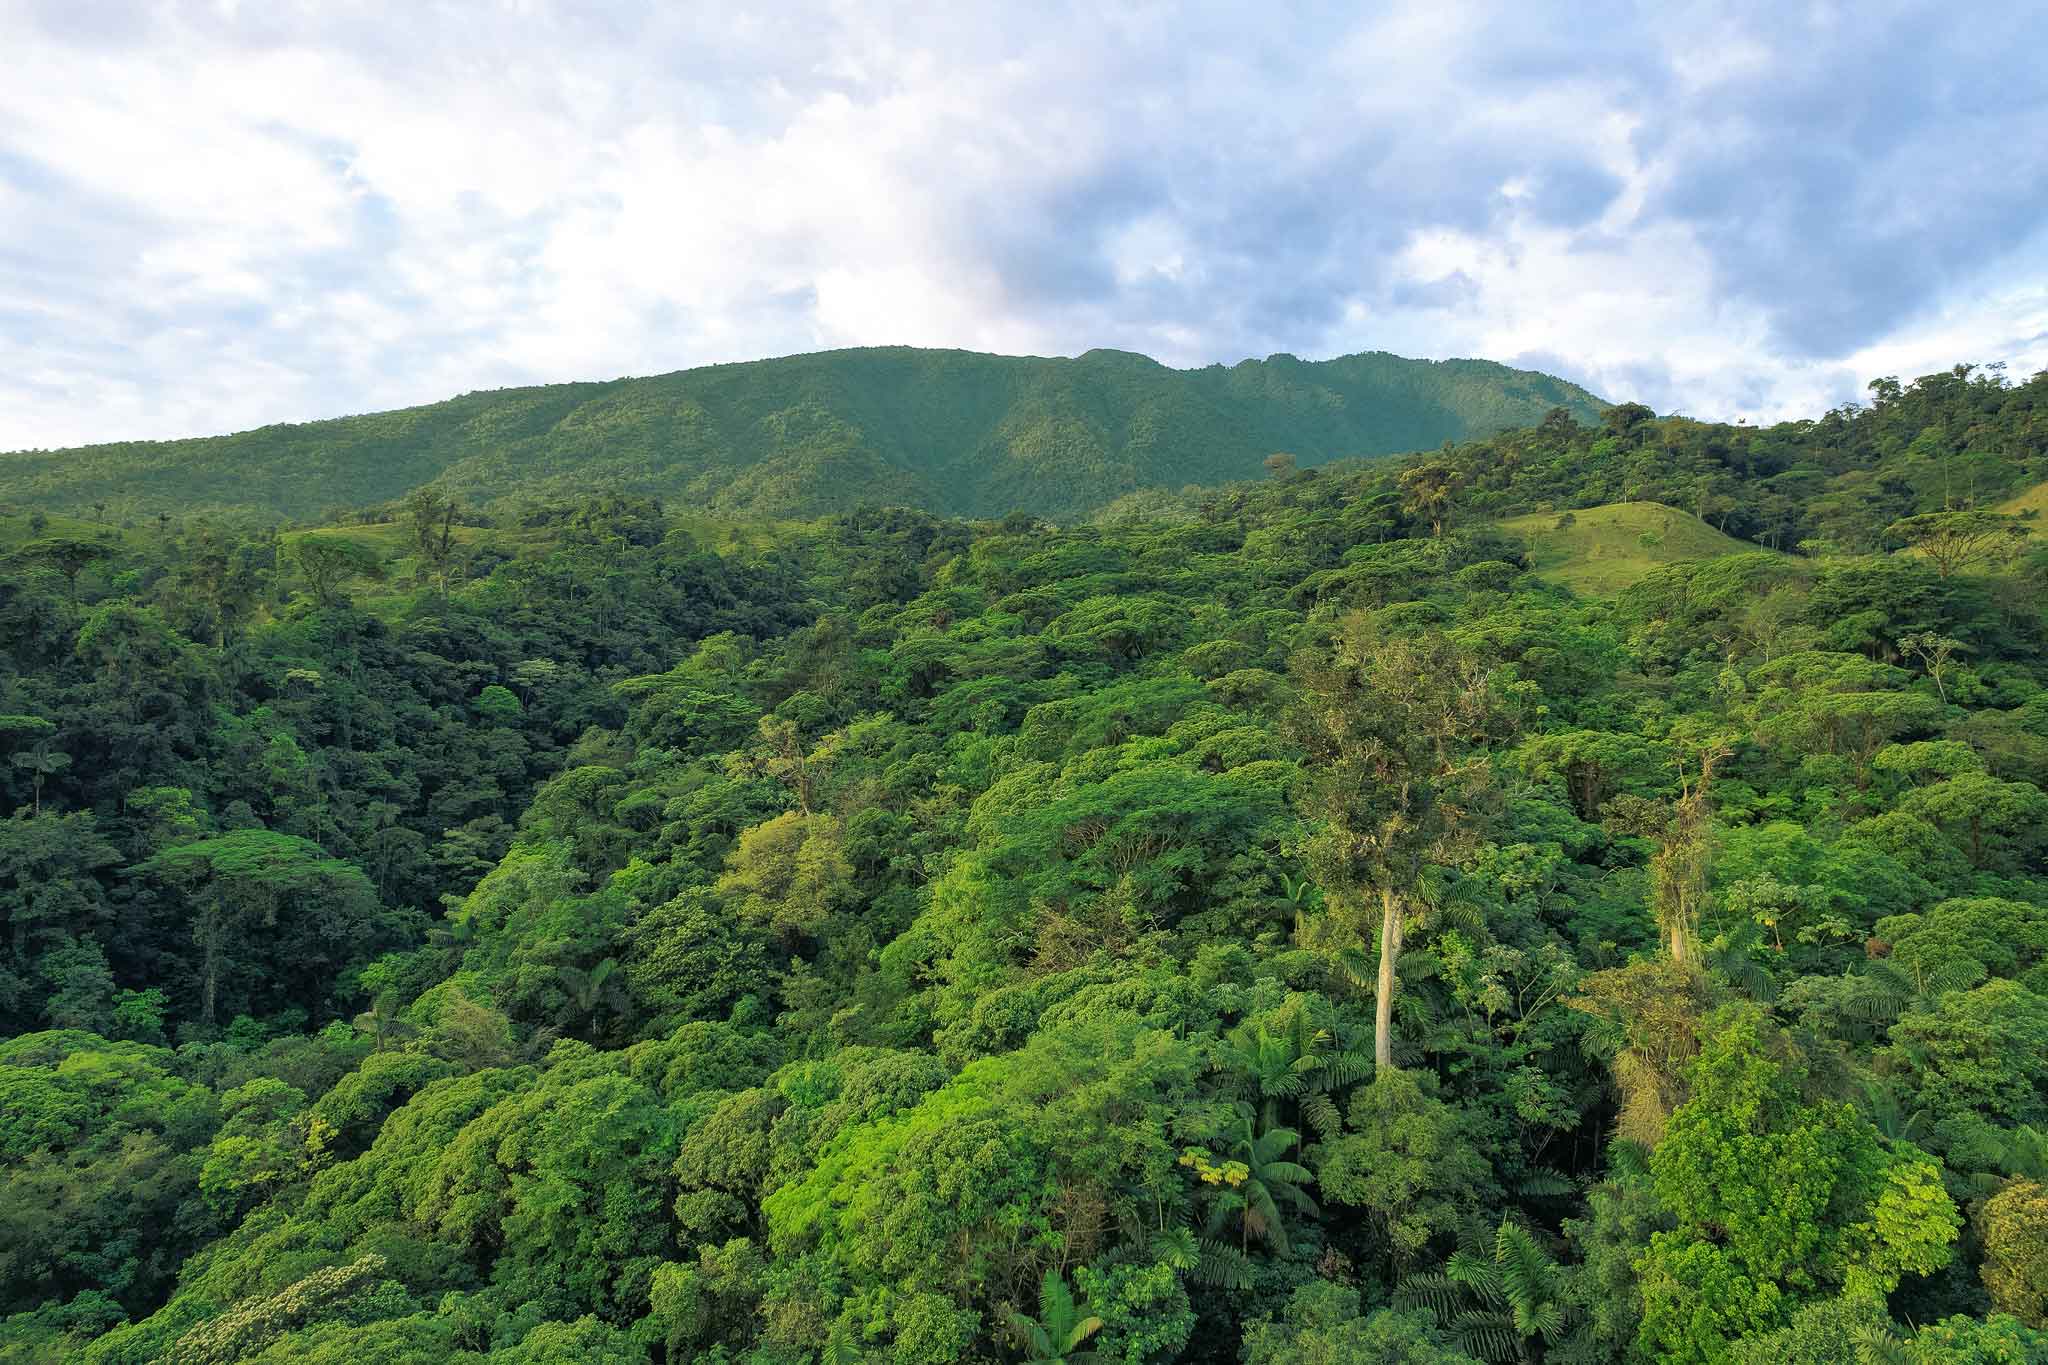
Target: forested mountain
x=952, y=432
x=1277, y=925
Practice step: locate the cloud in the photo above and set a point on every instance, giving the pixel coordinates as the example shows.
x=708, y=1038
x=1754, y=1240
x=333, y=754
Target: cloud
x=214, y=215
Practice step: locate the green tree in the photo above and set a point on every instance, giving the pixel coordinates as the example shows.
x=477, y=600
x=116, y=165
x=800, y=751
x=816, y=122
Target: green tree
x=246, y=886
x=1971, y=1052
x=1956, y=540
x=1388, y=725
x=595, y=990
x=81, y=987
x=432, y=516
x=2014, y=1227
x=50, y=887
x=68, y=555
x=252, y=1324
x=789, y=873
x=1428, y=490
x=1291, y=1058
x=1594, y=765
x=329, y=563
x=1408, y=1159
x=33, y=741
x=1936, y=653
x=2000, y=824
x=225, y=580
x=1322, y=1325
x=1778, y=1203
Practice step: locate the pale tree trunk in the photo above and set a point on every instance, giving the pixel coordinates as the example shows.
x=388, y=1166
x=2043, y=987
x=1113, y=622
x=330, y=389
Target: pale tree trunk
x=1383, y=1005
x=211, y=935
x=1679, y=873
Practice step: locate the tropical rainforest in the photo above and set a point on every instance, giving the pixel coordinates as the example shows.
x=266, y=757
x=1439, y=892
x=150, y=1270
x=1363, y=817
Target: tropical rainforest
x=1575, y=893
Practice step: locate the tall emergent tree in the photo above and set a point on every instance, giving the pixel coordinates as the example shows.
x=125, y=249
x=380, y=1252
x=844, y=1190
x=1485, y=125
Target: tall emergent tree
x=255, y=884
x=70, y=556
x=433, y=533
x=1390, y=728
x=329, y=562
x=1955, y=540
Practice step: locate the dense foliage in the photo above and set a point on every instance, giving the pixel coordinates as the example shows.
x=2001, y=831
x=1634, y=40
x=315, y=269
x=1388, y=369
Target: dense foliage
x=1283, y=928
x=953, y=432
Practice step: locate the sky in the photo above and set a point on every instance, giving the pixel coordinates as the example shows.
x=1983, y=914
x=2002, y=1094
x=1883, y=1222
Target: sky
x=219, y=215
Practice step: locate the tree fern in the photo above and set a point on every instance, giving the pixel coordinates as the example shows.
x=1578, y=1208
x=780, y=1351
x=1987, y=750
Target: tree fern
x=1494, y=1301
x=1060, y=1328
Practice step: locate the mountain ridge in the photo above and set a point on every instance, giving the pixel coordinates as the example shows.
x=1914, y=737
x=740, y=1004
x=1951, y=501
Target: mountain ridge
x=955, y=432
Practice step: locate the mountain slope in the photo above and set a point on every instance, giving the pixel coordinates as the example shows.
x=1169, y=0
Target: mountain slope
x=952, y=431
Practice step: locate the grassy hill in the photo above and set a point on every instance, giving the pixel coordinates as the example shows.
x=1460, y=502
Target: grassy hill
x=1604, y=549
x=20, y=526
x=952, y=431
x=2032, y=504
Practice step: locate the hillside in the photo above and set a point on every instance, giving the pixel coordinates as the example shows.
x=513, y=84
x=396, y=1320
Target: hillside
x=624, y=935
x=2033, y=505
x=1603, y=549
x=953, y=432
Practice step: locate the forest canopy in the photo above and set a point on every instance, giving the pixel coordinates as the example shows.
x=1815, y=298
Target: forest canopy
x=1290, y=921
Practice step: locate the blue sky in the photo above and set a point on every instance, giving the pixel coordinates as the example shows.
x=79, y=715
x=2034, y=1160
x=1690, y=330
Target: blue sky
x=217, y=215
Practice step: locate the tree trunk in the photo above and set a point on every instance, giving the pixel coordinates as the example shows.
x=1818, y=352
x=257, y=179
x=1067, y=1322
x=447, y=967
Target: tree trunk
x=1383, y=1004
x=211, y=932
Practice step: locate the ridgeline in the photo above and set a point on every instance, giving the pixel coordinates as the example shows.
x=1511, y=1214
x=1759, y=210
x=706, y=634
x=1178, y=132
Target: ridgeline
x=952, y=432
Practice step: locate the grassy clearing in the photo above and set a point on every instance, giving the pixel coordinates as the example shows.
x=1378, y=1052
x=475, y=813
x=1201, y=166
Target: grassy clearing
x=1604, y=549
x=2032, y=504
x=17, y=528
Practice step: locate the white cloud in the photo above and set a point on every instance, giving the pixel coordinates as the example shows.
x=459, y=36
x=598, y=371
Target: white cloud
x=214, y=216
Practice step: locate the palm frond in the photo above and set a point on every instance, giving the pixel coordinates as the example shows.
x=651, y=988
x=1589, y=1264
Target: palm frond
x=1434, y=1291
x=1340, y=1069
x=1487, y=1336
x=1274, y=1141
x=1227, y=1204
x=2026, y=1153
x=1080, y=1332
x=1878, y=1344
x=1546, y=1320
x=1527, y=1275
x=1882, y=993
x=1055, y=1300
x=1956, y=974
x=1222, y=1266
x=1480, y=1276
x=1545, y=1183
x=1178, y=1248
x=1321, y=1113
